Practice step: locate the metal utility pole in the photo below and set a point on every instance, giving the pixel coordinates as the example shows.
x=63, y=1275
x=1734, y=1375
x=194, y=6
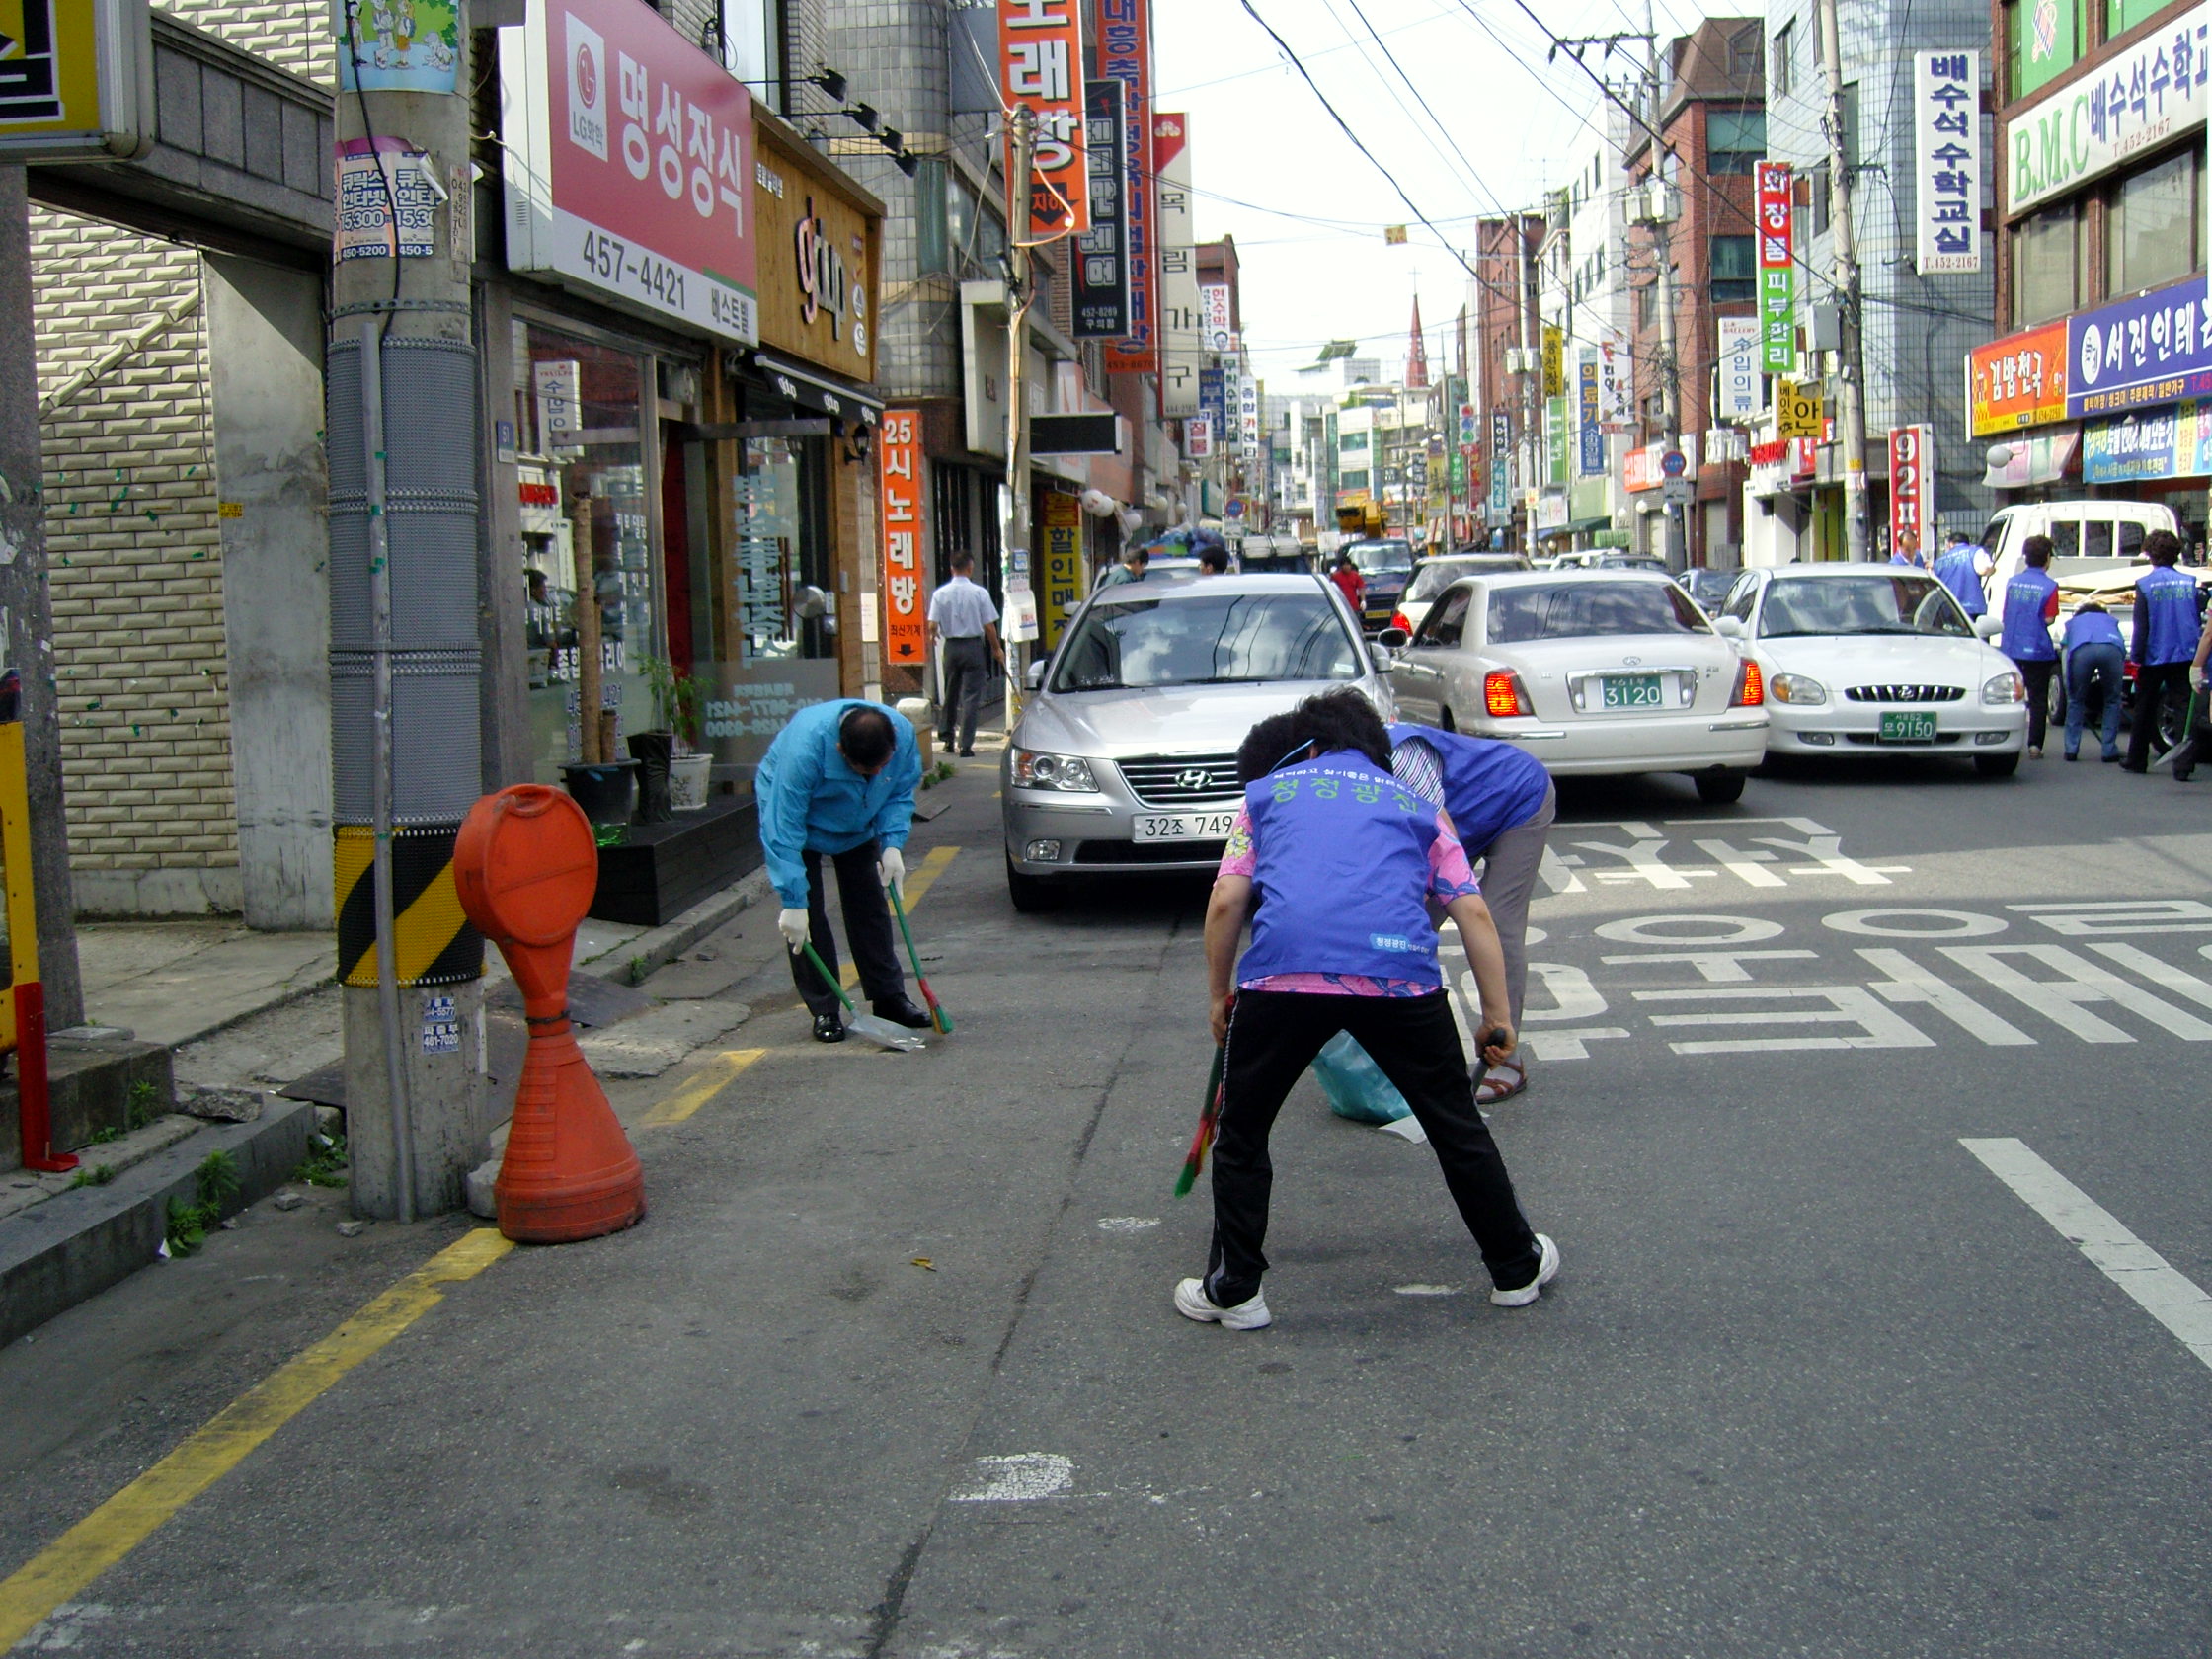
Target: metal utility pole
x=404, y=433
x=1851, y=384
x=1023, y=120
x=1530, y=447
x=25, y=607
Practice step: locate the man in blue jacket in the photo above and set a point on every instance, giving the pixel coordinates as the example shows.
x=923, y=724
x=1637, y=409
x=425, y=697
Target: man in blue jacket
x=838, y=782
x=2030, y=604
x=1961, y=568
x=2095, y=658
x=2166, y=626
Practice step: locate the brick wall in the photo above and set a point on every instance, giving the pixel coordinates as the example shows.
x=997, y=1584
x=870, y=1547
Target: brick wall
x=290, y=33
x=136, y=564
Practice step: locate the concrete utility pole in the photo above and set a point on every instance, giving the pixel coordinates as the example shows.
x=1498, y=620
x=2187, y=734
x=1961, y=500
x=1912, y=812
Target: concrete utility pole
x=1851, y=384
x=27, y=610
x=1021, y=291
x=405, y=652
x=1661, y=209
x=1530, y=447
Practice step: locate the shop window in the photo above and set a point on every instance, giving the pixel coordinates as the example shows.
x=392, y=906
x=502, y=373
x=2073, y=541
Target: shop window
x=1783, y=72
x=1735, y=140
x=588, y=518
x=2042, y=39
x=1735, y=271
x=2048, y=264
x=2151, y=228
x=2122, y=15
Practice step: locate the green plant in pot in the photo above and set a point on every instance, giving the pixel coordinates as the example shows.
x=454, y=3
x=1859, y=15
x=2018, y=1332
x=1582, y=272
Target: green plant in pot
x=678, y=700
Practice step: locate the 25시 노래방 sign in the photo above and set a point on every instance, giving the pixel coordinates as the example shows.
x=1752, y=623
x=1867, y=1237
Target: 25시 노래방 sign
x=630, y=165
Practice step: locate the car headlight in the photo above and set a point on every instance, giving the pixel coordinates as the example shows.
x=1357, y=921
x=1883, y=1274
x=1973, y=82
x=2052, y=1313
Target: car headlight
x=2007, y=687
x=1796, y=688
x=1053, y=771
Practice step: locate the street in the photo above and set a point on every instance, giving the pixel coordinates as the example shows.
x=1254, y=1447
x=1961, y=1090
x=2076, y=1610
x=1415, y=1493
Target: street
x=889, y=1369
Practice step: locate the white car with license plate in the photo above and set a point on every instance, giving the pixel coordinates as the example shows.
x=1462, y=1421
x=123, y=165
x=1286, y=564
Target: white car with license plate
x=1863, y=660
x=1593, y=672
x=1124, y=760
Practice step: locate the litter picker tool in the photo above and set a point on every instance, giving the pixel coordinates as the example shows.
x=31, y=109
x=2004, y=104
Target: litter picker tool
x=864, y=1025
x=1209, y=1120
x=938, y=1015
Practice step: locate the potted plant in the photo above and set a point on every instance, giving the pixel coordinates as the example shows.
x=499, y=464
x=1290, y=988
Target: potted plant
x=677, y=700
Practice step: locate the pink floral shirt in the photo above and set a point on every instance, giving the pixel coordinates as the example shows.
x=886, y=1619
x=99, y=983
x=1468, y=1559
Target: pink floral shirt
x=1450, y=876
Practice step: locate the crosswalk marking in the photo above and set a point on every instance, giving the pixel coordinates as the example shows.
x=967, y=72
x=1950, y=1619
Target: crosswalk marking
x=1910, y=983
x=2061, y=1000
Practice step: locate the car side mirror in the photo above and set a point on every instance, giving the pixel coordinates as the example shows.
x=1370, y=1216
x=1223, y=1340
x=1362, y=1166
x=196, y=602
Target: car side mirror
x=1392, y=639
x=1380, y=654
x=1728, y=627
x=1989, y=628
x=1036, y=677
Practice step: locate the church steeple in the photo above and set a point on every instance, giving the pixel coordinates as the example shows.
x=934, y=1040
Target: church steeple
x=1417, y=355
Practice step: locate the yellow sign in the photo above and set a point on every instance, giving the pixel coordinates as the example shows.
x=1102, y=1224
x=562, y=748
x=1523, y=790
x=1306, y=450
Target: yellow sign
x=1554, y=360
x=1799, y=411
x=1062, y=563
x=76, y=79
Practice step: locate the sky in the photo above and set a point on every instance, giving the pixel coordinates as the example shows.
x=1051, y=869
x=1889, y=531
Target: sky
x=1477, y=126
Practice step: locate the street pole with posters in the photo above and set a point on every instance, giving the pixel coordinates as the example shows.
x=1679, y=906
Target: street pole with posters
x=1850, y=381
x=403, y=438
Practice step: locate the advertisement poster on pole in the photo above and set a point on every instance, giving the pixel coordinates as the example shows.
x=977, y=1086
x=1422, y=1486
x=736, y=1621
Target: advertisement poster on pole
x=1041, y=69
x=899, y=471
x=1947, y=161
x=1912, y=475
x=1778, y=273
x=1125, y=54
x=1180, y=324
x=413, y=45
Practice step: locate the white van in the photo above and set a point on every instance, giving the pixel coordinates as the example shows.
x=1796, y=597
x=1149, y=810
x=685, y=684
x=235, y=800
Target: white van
x=2088, y=533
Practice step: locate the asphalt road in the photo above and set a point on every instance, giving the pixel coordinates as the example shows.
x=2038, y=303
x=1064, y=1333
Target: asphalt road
x=1818, y=1378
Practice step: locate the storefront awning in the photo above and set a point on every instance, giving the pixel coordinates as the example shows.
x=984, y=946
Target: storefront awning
x=810, y=388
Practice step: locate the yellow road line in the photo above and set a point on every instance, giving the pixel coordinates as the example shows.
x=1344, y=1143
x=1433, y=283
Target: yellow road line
x=932, y=866
x=69, y=1564
x=710, y=1082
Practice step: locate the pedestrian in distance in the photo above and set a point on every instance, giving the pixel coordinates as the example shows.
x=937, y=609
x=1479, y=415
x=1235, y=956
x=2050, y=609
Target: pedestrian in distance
x=1134, y=563
x=2030, y=604
x=2095, y=662
x=1213, y=555
x=2167, y=626
x=1333, y=863
x=1500, y=802
x=838, y=783
x=1349, y=581
x=962, y=615
x=1963, y=567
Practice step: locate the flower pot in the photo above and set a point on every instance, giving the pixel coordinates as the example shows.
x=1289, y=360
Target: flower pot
x=687, y=781
x=652, y=751
x=606, y=790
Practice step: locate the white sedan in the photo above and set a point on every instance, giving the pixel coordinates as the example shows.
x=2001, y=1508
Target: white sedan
x=1595, y=673
x=1865, y=659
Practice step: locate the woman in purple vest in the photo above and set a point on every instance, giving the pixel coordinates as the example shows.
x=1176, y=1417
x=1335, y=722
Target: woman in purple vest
x=1333, y=863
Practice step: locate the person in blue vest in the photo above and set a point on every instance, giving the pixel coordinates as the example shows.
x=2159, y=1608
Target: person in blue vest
x=1333, y=863
x=838, y=783
x=1961, y=567
x=1501, y=804
x=2030, y=606
x=2096, y=661
x=2168, y=625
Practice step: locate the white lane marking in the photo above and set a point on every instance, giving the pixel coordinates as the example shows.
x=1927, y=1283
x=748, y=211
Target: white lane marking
x=1427, y=1290
x=2060, y=1000
x=1573, y=997
x=2164, y=975
x=1659, y=930
x=2169, y=1296
x=1715, y=966
x=1883, y=924
x=1643, y=856
x=1022, y=1477
x=1910, y=983
x=1745, y=866
x=2077, y=917
x=1846, y=1005
x=1566, y=1045
x=1408, y=1128
x=1557, y=876
x=1127, y=1224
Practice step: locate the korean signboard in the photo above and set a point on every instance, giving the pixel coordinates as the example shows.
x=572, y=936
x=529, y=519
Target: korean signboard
x=1248, y=417
x=1213, y=400
x=2140, y=96
x=1501, y=464
x=817, y=258
x=1590, y=434
x=1099, y=276
x=2148, y=348
x=1125, y=54
x=2018, y=381
x=1041, y=69
x=1554, y=360
x=2172, y=442
x=1912, y=487
x=1616, y=379
x=1778, y=273
x=1799, y=411
x=1179, y=323
x=900, y=473
x=1198, y=437
x=1214, y=308
x=1061, y=521
x=1742, y=388
x=630, y=165
x=1947, y=158
x=76, y=79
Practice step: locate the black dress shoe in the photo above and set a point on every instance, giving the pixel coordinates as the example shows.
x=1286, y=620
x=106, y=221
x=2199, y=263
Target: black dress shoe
x=901, y=1011
x=829, y=1028
x=967, y=754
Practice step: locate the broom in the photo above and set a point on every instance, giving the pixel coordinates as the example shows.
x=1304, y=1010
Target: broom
x=878, y=1030
x=1208, y=1118
x=938, y=1015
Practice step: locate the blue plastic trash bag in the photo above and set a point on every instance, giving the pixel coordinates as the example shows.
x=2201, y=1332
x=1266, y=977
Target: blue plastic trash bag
x=1355, y=1085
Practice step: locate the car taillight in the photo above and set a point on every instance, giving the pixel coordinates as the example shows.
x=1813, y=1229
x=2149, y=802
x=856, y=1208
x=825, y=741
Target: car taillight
x=1502, y=698
x=1751, y=687
x=1397, y=620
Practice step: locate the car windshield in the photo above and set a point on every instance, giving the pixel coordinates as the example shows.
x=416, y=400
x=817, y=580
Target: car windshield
x=1577, y=610
x=1210, y=639
x=1436, y=574
x=1913, y=603
x=1373, y=556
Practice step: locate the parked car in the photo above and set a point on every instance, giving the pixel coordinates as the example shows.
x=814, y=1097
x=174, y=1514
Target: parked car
x=1609, y=558
x=1432, y=576
x=1710, y=587
x=2109, y=532
x=1606, y=672
x=1863, y=660
x=1386, y=565
x=1125, y=757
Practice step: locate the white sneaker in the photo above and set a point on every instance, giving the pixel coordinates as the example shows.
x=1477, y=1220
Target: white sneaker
x=1192, y=1302
x=1547, y=1268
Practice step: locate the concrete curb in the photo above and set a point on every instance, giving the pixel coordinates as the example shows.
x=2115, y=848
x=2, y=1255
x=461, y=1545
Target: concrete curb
x=56, y=1254
x=663, y=944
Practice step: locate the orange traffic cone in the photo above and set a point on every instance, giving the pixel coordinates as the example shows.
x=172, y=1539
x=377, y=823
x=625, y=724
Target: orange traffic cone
x=526, y=866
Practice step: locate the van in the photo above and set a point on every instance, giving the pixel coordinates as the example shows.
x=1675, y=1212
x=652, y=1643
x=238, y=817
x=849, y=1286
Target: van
x=2089, y=533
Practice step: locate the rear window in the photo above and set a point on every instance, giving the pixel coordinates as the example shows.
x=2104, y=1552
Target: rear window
x=1582, y=610
x=1371, y=556
x=1436, y=574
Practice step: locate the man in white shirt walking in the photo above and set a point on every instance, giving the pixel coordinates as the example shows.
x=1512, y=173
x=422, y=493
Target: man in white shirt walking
x=963, y=616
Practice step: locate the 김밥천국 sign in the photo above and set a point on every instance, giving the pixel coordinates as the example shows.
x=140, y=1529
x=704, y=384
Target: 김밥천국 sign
x=2018, y=381
x=629, y=168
